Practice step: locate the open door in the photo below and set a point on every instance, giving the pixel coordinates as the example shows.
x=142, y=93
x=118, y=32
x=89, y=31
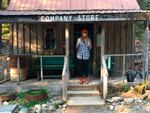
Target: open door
x=77, y=33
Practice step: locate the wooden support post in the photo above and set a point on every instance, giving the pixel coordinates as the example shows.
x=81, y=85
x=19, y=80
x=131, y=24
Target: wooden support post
x=102, y=47
x=105, y=87
x=104, y=73
x=41, y=63
x=64, y=79
x=18, y=67
x=65, y=75
x=146, y=49
x=67, y=47
x=124, y=66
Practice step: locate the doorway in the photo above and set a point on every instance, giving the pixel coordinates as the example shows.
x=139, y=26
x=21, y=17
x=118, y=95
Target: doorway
x=77, y=33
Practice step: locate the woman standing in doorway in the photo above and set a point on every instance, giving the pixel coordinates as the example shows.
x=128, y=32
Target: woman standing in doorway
x=84, y=46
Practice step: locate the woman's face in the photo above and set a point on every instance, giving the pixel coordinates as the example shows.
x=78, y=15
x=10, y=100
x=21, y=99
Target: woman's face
x=84, y=34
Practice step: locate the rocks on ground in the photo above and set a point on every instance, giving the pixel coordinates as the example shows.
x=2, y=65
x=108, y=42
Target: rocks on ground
x=54, y=104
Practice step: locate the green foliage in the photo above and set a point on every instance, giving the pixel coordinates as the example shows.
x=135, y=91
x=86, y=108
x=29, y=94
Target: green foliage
x=5, y=25
x=37, y=92
x=140, y=30
x=144, y=4
x=5, y=4
x=22, y=101
x=56, y=105
x=125, y=88
x=21, y=94
x=5, y=31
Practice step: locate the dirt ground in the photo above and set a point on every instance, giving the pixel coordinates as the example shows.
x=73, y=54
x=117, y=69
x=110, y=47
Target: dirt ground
x=140, y=108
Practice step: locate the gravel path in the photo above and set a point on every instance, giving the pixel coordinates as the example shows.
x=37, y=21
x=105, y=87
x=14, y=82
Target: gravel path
x=145, y=108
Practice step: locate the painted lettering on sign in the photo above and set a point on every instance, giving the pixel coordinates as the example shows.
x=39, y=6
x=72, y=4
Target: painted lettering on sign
x=66, y=18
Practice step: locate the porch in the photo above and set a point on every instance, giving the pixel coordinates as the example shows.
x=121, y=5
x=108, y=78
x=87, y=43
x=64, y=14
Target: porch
x=24, y=45
x=35, y=82
x=45, y=34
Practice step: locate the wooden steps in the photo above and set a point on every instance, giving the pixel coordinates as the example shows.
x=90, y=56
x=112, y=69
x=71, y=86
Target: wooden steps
x=84, y=94
x=84, y=101
x=84, y=87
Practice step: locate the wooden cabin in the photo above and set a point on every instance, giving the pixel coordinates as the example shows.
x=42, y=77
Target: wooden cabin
x=111, y=26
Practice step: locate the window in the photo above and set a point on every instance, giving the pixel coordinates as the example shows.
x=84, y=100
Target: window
x=50, y=42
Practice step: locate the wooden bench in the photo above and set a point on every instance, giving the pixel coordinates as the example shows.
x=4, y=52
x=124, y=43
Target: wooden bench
x=52, y=63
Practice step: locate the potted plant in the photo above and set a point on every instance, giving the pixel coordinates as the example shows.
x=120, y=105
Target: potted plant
x=36, y=95
x=7, y=95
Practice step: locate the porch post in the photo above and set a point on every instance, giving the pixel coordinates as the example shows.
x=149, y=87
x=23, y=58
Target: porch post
x=104, y=75
x=18, y=68
x=146, y=50
x=102, y=47
x=65, y=77
x=67, y=47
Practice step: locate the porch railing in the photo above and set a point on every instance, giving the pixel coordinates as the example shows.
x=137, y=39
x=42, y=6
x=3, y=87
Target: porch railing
x=104, y=76
x=65, y=77
x=124, y=61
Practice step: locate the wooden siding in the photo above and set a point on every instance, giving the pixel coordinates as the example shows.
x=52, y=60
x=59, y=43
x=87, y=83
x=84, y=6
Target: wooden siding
x=28, y=38
x=119, y=39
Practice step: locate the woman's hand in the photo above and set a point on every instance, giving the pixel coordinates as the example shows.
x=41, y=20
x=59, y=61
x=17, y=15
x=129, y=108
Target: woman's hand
x=89, y=43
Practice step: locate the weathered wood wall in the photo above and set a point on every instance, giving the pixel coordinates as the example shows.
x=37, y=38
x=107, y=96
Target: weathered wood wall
x=119, y=39
x=28, y=38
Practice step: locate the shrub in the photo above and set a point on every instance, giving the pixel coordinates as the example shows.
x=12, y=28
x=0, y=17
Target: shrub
x=140, y=88
x=125, y=88
x=37, y=92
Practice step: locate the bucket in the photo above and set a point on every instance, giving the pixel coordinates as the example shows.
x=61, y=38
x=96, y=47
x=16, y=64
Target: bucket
x=130, y=76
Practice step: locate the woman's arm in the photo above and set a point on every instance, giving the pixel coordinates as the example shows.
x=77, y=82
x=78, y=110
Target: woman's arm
x=78, y=43
x=89, y=44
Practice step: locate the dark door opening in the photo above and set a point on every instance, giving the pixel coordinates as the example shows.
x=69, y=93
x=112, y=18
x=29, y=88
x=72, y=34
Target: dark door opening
x=77, y=33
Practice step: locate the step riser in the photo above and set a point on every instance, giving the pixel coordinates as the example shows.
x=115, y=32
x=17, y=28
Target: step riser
x=94, y=105
x=85, y=101
x=83, y=88
x=82, y=95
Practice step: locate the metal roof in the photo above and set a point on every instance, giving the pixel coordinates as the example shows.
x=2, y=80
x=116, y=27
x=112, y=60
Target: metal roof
x=27, y=13
x=72, y=5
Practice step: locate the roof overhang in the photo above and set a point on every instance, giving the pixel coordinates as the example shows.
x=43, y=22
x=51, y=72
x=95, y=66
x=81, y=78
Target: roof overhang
x=72, y=11
x=72, y=16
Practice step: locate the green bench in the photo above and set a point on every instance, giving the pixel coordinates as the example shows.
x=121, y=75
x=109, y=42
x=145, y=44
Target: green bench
x=52, y=63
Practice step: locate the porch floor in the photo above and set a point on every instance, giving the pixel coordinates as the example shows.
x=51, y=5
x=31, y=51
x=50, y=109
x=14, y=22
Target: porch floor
x=35, y=82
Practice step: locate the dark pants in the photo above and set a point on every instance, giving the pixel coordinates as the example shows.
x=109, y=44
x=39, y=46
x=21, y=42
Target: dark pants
x=84, y=67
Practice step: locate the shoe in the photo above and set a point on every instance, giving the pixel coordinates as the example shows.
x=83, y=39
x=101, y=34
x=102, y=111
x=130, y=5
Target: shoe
x=86, y=81
x=81, y=80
